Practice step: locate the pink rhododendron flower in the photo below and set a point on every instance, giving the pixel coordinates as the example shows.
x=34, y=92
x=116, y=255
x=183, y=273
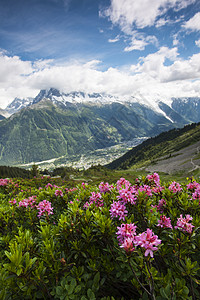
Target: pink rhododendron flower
x=128, y=245
x=128, y=195
x=13, y=202
x=160, y=205
x=157, y=189
x=84, y=184
x=193, y=185
x=183, y=224
x=148, y=241
x=28, y=202
x=58, y=193
x=105, y=187
x=145, y=188
x=196, y=194
x=123, y=183
x=164, y=222
x=154, y=178
x=96, y=198
x=118, y=210
x=49, y=185
x=126, y=231
x=44, y=207
x=4, y=182
x=175, y=187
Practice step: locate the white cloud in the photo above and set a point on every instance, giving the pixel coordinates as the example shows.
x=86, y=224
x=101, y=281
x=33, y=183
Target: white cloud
x=197, y=43
x=116, y=39
x=194, y=23
x=161, y=74
x=132, y=15
x=136, y=44
x=141, y=13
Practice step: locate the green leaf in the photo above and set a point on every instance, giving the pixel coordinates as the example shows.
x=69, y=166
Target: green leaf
x=59, y=290
x=72, y=286
x=91, y=295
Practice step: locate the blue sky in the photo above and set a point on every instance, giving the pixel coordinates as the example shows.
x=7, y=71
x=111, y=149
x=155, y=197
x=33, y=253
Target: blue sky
x=149, y=48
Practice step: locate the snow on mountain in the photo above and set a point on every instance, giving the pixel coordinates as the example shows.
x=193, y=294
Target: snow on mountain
x=58, y=97
x=147, y=99
x=17, y=104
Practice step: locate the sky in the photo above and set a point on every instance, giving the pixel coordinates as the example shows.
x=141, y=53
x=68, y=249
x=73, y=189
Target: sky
x=143, y=48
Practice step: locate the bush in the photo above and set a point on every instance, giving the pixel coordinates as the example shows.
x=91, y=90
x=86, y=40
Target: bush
x=122, y=241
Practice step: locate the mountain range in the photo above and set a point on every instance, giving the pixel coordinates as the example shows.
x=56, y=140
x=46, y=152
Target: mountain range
x=56, y=124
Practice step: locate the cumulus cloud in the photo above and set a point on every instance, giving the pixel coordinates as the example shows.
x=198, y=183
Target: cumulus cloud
x=133, y=16
x=193, y=23
x=141, y=13
x=161, y=74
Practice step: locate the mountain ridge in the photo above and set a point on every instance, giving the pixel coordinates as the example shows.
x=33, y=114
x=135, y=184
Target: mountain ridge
x=50, y=126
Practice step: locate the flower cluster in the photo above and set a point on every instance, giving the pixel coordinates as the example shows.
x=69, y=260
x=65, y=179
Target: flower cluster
x=164, y=222
x=126, y=231
x=44, y=207
x=3, y=182
x=183, y=224
x=105, y=187
x=193, y=185
x=30, y=202
x=118, y=210
x=146, y=189
x=154, y=178
x=147, y=240
x=49, y=185
x=128, y=195
x=58, y=193
x=175, y=187
x=128, y=239
x=13, y=202
x=94, y=198
x=161, y=205
x=123, y=183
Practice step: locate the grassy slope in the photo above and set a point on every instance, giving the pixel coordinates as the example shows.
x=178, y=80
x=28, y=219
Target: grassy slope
x=165, y=144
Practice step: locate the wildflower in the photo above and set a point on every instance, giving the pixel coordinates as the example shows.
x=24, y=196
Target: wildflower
x=13, y=202
x=154, y=178
x=122, y=182
x=105, y=187
x=164, y=222
x=128, y=245
x=193, y=185
x=157, y=189
x=118, y=210
x=3, y=182
x=28, y=202
x=126, y=231
x=175, y=187
x=43, y=207
x=147, y=240
x=145, y=188
x=96, y=198
x=183, y=224
x=161, y=204
x=127, y=195
x=58, y=193
x=84, y=184
x=196, y=194
x=49, y=185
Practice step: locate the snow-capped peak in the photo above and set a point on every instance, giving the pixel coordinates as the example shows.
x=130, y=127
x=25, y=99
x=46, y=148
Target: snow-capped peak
x=17, y=104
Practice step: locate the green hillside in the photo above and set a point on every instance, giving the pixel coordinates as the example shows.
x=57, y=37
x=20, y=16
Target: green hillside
x=45, y=131
x=163, y=146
